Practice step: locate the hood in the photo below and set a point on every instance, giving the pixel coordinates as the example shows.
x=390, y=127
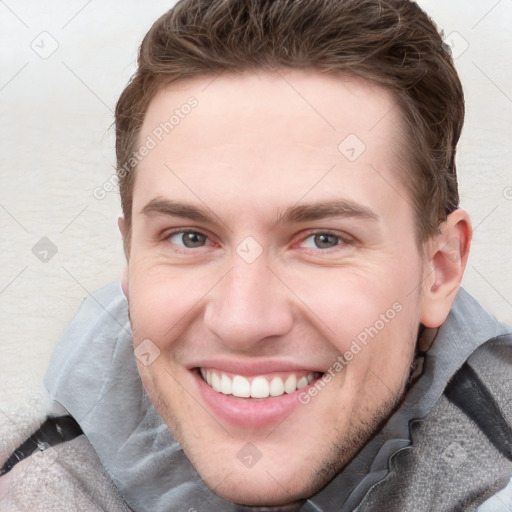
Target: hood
x=93, y=375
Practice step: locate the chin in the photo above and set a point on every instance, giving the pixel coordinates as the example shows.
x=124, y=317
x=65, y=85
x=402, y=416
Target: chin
x=266, y=491
x=274, y=480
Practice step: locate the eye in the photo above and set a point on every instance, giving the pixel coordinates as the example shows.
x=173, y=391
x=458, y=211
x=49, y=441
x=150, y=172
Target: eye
x=188, y=239
x=322, y=241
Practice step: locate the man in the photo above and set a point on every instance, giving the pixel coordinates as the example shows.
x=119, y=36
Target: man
x=295, y=249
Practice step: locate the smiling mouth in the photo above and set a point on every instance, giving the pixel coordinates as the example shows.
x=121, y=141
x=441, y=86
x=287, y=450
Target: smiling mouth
x=258, y=386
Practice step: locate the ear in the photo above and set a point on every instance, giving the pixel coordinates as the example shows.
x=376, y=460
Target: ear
x=124, y=280
x=120, y=224
x=445, y=259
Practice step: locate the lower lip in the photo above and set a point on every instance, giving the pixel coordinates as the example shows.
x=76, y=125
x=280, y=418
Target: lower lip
x=247, y=412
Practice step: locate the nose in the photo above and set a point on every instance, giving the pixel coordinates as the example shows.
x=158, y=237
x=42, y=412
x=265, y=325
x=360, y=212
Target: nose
x=248, y=307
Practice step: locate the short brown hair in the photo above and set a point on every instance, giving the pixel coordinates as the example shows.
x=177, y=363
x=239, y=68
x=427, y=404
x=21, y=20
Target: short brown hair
x=390, y=42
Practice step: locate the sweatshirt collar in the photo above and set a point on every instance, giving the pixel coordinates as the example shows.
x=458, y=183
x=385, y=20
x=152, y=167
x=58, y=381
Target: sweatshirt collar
x=92, y=373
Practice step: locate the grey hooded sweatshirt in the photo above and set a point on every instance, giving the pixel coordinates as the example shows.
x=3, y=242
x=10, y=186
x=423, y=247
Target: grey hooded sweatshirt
x=448, y=447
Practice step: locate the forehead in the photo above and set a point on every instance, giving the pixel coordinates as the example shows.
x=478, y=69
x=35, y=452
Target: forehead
x=279, y=131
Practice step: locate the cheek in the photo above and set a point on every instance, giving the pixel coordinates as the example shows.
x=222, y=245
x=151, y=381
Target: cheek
x=370, y=315
x=387, y=345
x=152, y=311
x=351, y=304
x=163, y=297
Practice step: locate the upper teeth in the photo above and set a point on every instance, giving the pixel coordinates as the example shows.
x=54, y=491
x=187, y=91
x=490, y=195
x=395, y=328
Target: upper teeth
x=258, y=387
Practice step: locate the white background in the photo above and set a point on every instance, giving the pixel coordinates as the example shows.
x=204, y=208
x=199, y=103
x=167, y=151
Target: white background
x=57, y=147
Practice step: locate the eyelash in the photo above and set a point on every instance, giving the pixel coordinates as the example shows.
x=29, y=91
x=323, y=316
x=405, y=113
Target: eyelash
x=167, y=237
x=343, y=239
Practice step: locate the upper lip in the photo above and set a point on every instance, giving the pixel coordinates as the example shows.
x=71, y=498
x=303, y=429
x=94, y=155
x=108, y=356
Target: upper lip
x=252, y=368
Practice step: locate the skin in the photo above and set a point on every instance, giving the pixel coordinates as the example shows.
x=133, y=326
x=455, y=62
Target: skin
x=255, y=146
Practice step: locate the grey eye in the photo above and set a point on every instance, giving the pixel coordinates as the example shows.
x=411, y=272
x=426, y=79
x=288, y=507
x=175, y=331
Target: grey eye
x=326, y=241
x=188, y=239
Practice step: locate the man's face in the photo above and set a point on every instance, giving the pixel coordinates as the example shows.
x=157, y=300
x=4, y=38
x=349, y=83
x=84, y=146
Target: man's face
x=273, y=247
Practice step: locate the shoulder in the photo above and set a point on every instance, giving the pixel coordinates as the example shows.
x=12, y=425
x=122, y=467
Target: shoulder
x=67, y=476
x=466, y=441
x=460, y=454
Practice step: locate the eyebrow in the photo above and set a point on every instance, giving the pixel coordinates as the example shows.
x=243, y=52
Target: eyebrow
x=293, y=214
x=335, y=208
x=159, y=206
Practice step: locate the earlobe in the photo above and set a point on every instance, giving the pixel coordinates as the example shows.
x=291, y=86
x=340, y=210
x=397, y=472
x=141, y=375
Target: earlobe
x=444, y=264
x=124, y=280
x=124, y=283
x=123, y=230
x=120, y=224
